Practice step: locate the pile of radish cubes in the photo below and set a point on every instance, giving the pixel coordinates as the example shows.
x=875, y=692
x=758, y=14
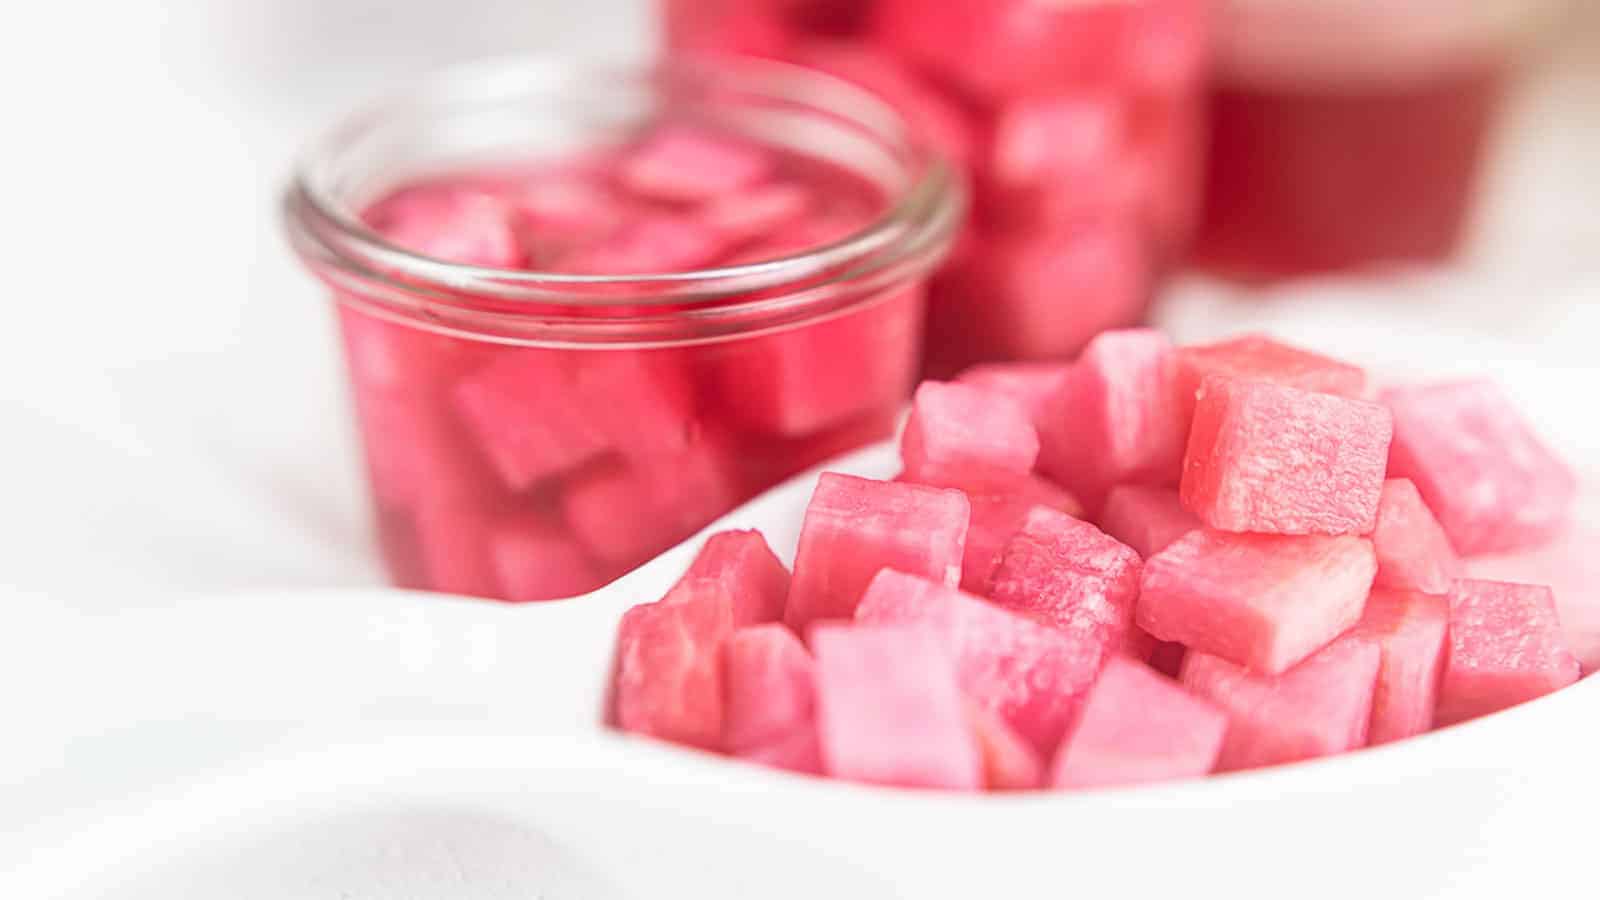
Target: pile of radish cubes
x=1153, y=563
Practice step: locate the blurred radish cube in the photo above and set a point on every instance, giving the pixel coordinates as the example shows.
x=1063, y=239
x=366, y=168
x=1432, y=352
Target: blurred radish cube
x=537, y=559
x=939, y=119
x=1479, y=466
x=1009, y=762
x=856, y=527
x=1031, y=384
x=1148, y=519
x=1114, y=420
x=1409, y=628
x=1265, y=602
x=769, y=685
x=997, y=517
x=668, y=668
x=626, y=513
x=754, y=576
x=1318, y=708
x=1138, y=726
x=1256, y=357
x=686, y=164
x=1413, y=552
x=1273, y=459
x=529, y=420
x=1169, y=46
x=1049, y=158
x=748, y=214
x=1506, y=647
x=1029, y=674
x=959, y=428
x=889, y=711
x=453, y=223
x=652, y=244
x=1068, y=574
x=455, y=538
x=800, y=752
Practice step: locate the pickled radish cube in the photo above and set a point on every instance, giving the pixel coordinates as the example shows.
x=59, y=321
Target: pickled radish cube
x=1506, y=647
x=456, y=224
x=956, y=427
x=1479, y=466
x=416, y=453
x=653, y=244
x=997, y=517
x=1318, y=708
x=1114, y=420
x=1256, y=357
x=1009, y=762
x=1138, y=726
x=1265, y=602
x=800, y=752
x=668, y=670
x=1273, y=459
x=527, y=417
x=889, y=711
x=1572, y=570
x=1409, y=628
x=1038, y=140
x=942, y=122
x=1148, y=519
x=1413, y=552
x=753, y=574
x=385, y=355
x=856, y=527
x=569, y=203
x=685, y=164
x=1029, y=674
x=1170, y=48
x=537, y=559
x=455, y=540
x=625, y=513
x=755, y=212
x=803, y=380
x=769, y=689
x=1068, y=574
x=1031, y=384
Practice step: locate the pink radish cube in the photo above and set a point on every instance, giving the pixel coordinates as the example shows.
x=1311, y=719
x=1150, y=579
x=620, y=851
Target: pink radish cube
x=1273, y=459
x=536, y=559
x=625, y=514
x=1170, y=56
x=1040, y=141
x=1265, y=602
x=959, y=428
x=1317, y=708
x=1138, y=726
x=1505, y=648
x=454, y=538
x=1413, y=552
x=1114, y=420
x=769, y=690
x=997, y=517
x=1009, y=763
x=526, y=417
x=749, y=214
x=755, y=578
x=1483, y=472
x=1572, y=569
x=668, y=668
x=417, y=453
x=653, y=244
x=943, y=122
x=1409, y=628
x=454, y=223
x=690, y=165
x=1031, y=675
x=1031, y=384
x=889, y=711
x=1148, y=519
x=1068, y=574
x=855, y=528
x=1256, y=357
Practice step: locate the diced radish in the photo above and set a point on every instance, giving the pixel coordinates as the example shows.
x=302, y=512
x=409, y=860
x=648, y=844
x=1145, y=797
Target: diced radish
x=855, y=527
x=1169, y=47
x=1413, y=552
x=755, y=578
x=452, y=223
x=454, y=537
x=1009, y=763
x=1572, y=569
x=940, y=121
x=747, y=214
x=1050, y=159
x=1483, y=472
x=1030, y=674
x=1261, y=601
x=627, y=513
x=1114, y=420
x=1318, y=708
x=536, y=559
x=1257, y=357
x=888, y=710
x=1273, y=459
x=1069, y=574
x=1505, y=648
x=668, y=681
x=527, y=419
x=769, y=689
x=655, y=244
x=1148, y=519
x=1031, y=384
x=997, y=517
x=959, y=428
x=1138, y=726
x=1409, y=628
x=681, y=163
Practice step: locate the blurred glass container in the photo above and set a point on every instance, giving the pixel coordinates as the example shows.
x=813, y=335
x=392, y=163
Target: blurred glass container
x=1080, y=123
x=1353, y=132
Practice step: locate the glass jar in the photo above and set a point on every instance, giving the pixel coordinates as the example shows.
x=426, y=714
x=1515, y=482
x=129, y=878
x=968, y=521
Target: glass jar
x=1352, y=132
x=1080, y=125
x=534, y=434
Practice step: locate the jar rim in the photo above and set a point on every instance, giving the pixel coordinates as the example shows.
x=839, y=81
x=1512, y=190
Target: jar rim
x=906, y=239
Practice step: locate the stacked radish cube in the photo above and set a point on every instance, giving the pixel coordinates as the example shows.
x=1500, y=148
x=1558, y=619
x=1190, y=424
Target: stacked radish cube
x=1258, y=590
